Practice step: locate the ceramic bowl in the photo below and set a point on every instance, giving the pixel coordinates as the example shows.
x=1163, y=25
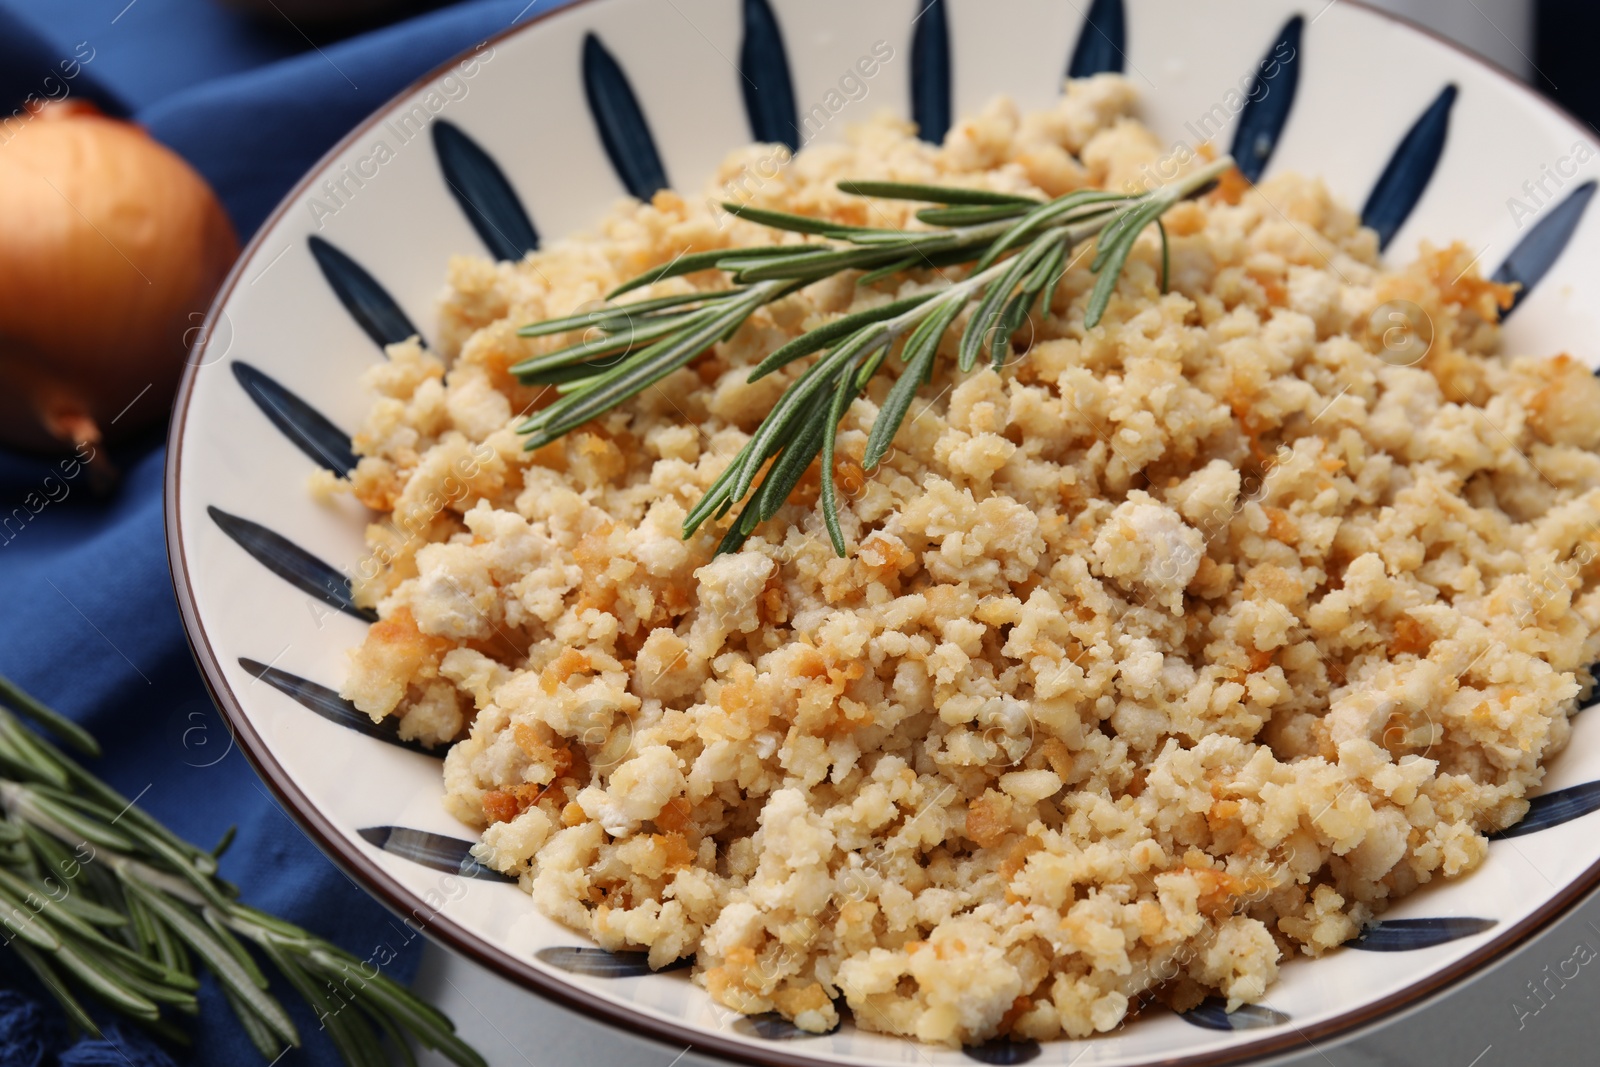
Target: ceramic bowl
x=538, y=131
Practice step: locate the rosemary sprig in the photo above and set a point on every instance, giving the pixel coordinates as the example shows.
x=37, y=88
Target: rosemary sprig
x=1018, y=248
x=97, y=898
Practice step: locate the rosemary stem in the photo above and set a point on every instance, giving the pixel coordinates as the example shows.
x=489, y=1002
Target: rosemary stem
x=100, y=898
x=1014, y=262
x=1072, y=232
x=149, y=876
x=1189, y=184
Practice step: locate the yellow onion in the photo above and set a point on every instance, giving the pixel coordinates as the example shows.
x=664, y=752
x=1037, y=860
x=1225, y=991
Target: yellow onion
x=112, y=250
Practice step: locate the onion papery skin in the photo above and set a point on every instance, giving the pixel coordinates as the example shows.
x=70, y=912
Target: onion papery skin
x=112, y=250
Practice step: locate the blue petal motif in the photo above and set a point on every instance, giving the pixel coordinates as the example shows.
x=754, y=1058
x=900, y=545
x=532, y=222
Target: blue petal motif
x=770, y=1026
x=331, y=706
x=764, y=77
x=1536, y=253
x=483, y=192
x=930, y=71
x=1269, y=102
x=598, y=963
x=1553, y=809
x=1002, y=1050
x=1212, y=1014
x=1410, y=169
x=621, y=123
x=301, y=423
x=449, y=854
x=1407, y=935
x=1102, y=43
x=292, y=563
x=374, y=310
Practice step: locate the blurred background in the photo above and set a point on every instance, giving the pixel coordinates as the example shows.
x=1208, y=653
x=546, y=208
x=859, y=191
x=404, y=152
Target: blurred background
x=1547, y=42
x=1502, y=30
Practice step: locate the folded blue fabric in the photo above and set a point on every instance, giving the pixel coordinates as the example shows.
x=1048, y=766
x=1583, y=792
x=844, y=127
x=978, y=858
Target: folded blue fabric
x=253, y=135
x=90, y=624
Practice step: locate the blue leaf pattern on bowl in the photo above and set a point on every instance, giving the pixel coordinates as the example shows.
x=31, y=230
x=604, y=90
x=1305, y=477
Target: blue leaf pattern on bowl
x=368, y=302
x=770, y=1026
x=481, y=188
x=1268, y=103
x=1553, y=809
x=1408, y=935
x=598, y=963
x=1409, y=170
x=1002, y=1050
x=331, y=706
x=292, y=563
x=765, y=80
x=1536, y=253
x=1212, y=1014
x=301, y=423
x=930, y=71
x=449, y=854
x=1102, y=43
x=623, y=129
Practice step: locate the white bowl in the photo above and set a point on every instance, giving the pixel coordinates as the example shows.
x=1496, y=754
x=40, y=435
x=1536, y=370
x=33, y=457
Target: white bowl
x=530, y=119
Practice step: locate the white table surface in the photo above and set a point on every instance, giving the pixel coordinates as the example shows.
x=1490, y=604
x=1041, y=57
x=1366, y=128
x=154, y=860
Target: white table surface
x=1477, y=1023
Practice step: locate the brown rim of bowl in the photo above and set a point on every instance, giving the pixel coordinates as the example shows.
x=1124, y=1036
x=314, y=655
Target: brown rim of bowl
x=451, y=934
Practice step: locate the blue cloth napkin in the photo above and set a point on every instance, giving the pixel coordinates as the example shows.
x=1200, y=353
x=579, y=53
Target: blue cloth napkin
x=90, y=624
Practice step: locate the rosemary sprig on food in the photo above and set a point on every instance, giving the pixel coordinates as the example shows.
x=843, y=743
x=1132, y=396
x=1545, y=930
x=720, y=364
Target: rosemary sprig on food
x=1017, y=246
x=98, y=898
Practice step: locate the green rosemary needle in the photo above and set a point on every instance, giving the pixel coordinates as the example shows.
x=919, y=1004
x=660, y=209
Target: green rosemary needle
x=1017, y=248
x=98, y=898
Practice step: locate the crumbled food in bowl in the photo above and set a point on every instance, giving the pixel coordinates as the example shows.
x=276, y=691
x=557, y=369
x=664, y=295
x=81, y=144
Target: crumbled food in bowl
x=1173, y=649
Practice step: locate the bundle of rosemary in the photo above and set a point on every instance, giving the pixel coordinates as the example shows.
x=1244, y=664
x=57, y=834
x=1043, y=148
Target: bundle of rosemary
x=1018, y=249
x=98, y=898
